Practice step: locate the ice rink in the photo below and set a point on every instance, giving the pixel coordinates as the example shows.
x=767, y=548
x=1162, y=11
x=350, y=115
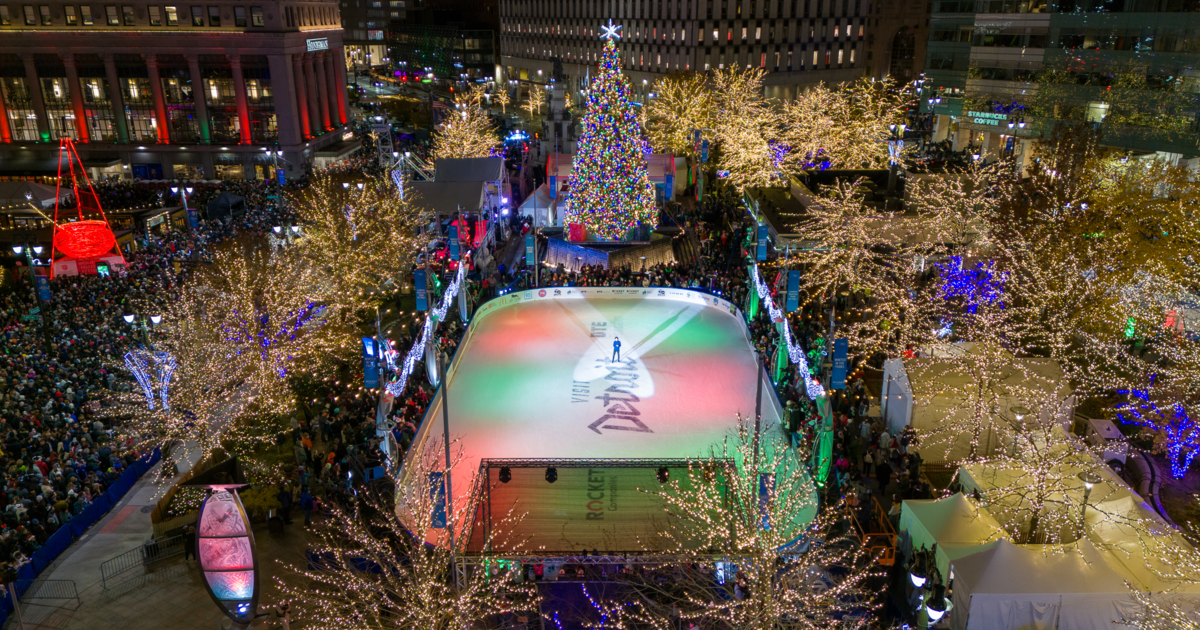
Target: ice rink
x=535, y=378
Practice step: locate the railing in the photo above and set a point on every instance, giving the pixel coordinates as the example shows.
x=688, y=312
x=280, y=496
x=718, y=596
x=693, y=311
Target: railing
x=155, y=550
x=877, y=535
x=47, y=589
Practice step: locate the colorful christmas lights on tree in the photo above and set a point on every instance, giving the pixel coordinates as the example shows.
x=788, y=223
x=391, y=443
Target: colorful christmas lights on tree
x=610, y=190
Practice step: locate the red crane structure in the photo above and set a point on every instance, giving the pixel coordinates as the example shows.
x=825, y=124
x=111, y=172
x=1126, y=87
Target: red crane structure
x=84, y=242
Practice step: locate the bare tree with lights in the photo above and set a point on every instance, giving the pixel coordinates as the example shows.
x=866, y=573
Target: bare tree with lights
x=751, y=504
x=468, y=131
x=383, y=561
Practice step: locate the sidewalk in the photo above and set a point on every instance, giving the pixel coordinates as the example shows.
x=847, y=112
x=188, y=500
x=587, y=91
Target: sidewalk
x=169, y=594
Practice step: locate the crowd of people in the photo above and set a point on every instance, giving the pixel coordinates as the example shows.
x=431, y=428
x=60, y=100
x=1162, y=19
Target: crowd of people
x=59, y=448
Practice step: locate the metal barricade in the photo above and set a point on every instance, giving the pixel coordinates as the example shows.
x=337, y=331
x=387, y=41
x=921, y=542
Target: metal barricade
x=47, y=589
x=155, y=550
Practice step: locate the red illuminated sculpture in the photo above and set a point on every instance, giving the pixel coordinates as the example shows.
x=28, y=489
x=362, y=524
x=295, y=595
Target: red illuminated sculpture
x=83, y=244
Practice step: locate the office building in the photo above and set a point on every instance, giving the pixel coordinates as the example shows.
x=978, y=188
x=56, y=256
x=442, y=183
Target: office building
x=157, y=91
x=798, y=42
x=1007, y=71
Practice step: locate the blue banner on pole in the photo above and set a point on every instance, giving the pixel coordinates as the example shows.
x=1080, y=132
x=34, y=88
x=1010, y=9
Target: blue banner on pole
x=704, y=150
x=529, y=251
x=370, y=363
x=763, y=235
x=453, y=242
x=697, y=139
x=670, y=186
x=43, y=287
x=193, y=217
x=837, y=380
x=793, y=291
x=551, y=184
x=421, y=289
x=282, y=178
x=437, y=492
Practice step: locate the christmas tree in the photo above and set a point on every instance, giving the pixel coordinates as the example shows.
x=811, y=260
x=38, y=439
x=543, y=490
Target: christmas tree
x=610, y=191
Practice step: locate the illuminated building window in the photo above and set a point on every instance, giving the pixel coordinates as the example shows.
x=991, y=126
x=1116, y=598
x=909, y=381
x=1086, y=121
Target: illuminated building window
x=86, y=13
x=110, y=12
x=130, y=18
x=45, y=11
x=197, y=16
x=69, y=12
x=239, y=17
x=256, y=17
x=214, y=16
x=30, y=16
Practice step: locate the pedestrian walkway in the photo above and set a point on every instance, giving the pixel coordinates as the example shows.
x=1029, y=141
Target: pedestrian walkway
x=169, y=594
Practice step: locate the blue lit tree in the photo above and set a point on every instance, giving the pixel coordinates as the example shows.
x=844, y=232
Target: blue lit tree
x=975, y=287
x=1178, y=432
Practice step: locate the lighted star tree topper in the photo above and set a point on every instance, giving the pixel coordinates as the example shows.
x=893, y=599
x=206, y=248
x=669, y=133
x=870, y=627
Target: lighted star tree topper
x=610, y=190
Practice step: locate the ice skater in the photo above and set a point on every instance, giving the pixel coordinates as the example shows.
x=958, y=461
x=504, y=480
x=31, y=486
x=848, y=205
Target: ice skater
x=616, y=350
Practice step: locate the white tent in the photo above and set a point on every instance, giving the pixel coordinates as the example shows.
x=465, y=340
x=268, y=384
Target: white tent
x=1028, y=588
x=927, y=394
x=541, y=207
x=954, y=524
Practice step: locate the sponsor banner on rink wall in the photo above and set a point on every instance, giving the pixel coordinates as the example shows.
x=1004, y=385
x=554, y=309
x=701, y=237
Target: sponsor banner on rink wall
x=580, y=293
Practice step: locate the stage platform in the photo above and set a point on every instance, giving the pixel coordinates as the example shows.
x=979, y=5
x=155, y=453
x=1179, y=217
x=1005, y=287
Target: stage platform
x=535, y=379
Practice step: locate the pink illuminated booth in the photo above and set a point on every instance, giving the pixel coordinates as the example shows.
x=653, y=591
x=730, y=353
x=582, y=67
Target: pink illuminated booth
x=225, y=543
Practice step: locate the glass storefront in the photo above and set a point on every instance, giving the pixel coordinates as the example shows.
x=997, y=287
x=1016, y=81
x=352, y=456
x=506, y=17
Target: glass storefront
x=22, y=122
x=56, y=92
x=139, y=109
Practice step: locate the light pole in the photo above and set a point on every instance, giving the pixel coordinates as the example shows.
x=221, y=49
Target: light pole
x=25, y=248
x=895, y=147
x=187, y=190
x=146, y=324
x=1089, y=479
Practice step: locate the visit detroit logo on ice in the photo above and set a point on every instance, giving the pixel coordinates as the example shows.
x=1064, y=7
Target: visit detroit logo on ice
x=620, y=411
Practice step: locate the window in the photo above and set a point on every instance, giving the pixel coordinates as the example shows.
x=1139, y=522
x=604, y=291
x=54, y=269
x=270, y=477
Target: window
x=45, y=11
x=110, y=12
x=130, y=18
x=4, y=19
x=72, y=17
x=30, y=16
x=256, y=16
x=155, y=16
x=197, y=16
x=214, y=16
x=239, y=17
x=172, y=16
x=86, y=13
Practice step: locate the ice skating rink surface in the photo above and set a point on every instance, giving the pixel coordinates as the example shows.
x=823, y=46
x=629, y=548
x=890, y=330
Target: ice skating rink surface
x=535, y=378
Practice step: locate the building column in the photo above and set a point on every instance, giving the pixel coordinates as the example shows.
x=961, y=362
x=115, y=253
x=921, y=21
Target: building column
x=337, y=93
x=76, y=91
x=160, y=103
x=198, y=98
x=239, y=88
x=340, y=68
x=322, y=89
x=301, y=95
x=35, y=92
x=115, y=97
x=5, y=133
x=283, y=86
x=314, y=102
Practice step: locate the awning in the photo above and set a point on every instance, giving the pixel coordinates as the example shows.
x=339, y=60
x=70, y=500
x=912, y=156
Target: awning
x=34, y=166
x=339, y=150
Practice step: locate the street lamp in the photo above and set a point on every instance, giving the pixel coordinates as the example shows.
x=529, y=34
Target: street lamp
x=1089, y=479
x=187, y=190
x=153, y=320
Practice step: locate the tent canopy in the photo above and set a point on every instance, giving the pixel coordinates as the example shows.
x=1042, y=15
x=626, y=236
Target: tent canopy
x=445, y=198
x=1028, y=587
x=13, y=194
x=953, y=520
x=469, y=170
x=539, y=205
x=226, y=204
